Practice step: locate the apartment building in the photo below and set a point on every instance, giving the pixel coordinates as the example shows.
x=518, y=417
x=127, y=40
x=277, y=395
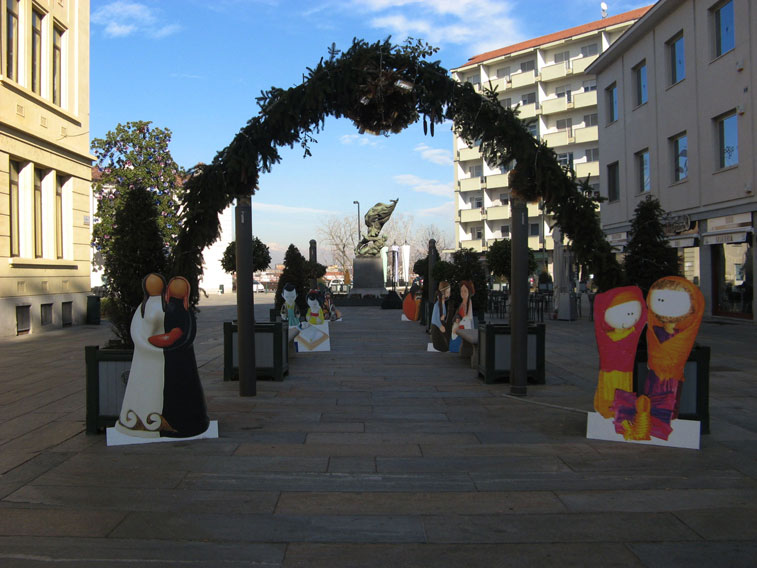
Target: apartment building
x=546, y=77
x=44, y=164
x=677, y=121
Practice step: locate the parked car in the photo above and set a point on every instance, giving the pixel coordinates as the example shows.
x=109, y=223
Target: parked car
x=257, y=286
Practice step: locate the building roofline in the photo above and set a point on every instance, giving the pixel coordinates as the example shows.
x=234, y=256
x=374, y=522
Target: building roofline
x=557, y=36
x=640, y=28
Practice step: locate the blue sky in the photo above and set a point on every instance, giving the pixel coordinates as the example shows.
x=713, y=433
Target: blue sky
x=196, y=67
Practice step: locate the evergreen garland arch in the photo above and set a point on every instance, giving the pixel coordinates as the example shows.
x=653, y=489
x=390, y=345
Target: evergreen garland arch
x=384, y=88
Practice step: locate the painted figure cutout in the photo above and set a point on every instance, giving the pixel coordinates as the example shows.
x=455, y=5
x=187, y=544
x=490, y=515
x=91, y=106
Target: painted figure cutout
x=289, y=311
x=315, y=312
x=463, y=320
x=185, y=413
x=676, y=307
x=440, y=325
x=330, y=310
x=412, y=302
x=620, y=315
x=142, y=407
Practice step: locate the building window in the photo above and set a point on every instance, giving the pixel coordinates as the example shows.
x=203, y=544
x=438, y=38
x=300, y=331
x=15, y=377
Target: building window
x=565, y=159
x=724, y=33
x=58, y=217
x=527, y=66
x=728, y=140
x=642, y=169
x=476, y=171
x=503, y=73
x=478, y=232
x=478, y=202
x=533, y=129
x=613, y=182
x=38, y=175
x=57, y=65
x=67, y=313
x=562, y=57
x=680, y=145
x=592, y=154
x=533, y=229
x=589, y=50
x=677, y=59
x=36, y=52
x=590, y=86
x=11, y=40
x=504, y=230
x=504, y=199
x=15, y=168
x=564, y=92
x=507, y=103
x=612, y=103
x=640, y=82
x=591, y=119
x=46, y=314
x=565, y=124
x=528, y=99
x=23, y=319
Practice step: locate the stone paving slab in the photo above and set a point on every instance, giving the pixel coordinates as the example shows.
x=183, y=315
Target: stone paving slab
x=595, y=555
x=57, y=522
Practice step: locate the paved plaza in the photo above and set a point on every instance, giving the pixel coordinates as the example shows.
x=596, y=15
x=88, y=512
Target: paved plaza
x=375, y=454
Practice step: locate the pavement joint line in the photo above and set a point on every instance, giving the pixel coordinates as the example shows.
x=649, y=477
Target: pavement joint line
x=557, y=406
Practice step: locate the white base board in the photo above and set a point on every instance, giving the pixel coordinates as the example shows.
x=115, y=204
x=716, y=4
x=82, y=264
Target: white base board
x=685, y=433
x=405, y=318
x=431, y=349
x=116, y=438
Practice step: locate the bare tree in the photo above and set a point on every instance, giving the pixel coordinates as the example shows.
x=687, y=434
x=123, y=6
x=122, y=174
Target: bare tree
x=339, y=234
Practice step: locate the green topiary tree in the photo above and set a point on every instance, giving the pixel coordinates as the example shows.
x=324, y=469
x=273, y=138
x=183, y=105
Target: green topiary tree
x=261, y=256
x=138, y=192
x=649, y=257
x=499, y=257
x=296, y=272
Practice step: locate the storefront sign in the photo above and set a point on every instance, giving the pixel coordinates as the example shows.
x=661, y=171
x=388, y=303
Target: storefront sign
x=674, y=224
x=725, y=238
x=683, y=243
x=729, y=222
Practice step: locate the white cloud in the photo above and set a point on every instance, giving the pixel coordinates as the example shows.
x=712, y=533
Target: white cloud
x=276, y=247
x=431, y=186
x=444, y=22
x=446, y=211
x=434, y=155
x=288, y=209
x=360, y=140
x=123, y=18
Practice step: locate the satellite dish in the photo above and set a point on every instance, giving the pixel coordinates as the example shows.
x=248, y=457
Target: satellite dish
x=603, y=6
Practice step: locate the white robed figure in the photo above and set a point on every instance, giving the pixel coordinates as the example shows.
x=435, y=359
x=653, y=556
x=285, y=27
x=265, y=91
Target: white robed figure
x=143, y=399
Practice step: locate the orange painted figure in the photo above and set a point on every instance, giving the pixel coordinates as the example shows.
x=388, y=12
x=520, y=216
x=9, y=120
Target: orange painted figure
x=619, y=318
x=676, y=307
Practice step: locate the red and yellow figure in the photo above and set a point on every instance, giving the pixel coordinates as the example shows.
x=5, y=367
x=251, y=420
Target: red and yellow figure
x=619, y=318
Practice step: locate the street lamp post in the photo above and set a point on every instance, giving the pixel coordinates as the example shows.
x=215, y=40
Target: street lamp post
x=358, y=220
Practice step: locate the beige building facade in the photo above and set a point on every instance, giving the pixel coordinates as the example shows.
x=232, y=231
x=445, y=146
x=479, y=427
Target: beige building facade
x=547, y=77
x=45, y=164
x=677, y=121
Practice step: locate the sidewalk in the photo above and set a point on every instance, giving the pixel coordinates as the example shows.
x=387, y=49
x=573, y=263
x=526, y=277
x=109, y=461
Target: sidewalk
x=375, y=454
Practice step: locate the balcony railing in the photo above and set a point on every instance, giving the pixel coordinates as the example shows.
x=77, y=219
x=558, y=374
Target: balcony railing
x=471, y=215
x=497, y=212
x=470, y=184
x=465, y=154
x=587, y=168
x=523, y=78
x=587, y=134
x=559, y=104
x=497, y=181
x=555, y=139
x=555, y=71
x=583, y=100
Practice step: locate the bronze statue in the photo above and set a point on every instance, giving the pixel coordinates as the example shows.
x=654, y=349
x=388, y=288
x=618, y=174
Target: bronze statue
x=375, y=219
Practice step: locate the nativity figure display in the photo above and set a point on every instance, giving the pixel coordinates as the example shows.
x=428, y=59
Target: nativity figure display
x=164, y=398
x=463, y=320
x=441, y=319
x=290, y=312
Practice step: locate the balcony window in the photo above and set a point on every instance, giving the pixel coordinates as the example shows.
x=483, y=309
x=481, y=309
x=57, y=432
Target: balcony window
x=57, y=65
x=590, y=86
x=504, y=199
x=724, y=33
x=677, y=59
x=527, y=66
x=36, y=83
x=504, y=231
x=613, y=182
x=565, y=159
x=680, y=148
x=591, y=119
x=642, y=171
x=592, y=154
x=533, y=229
x=507, y=103
x=590, y=50
x=564, y=92
x=476, y=171
x=503, y=73
x=640, y=83
x=611, y=94
x=528, y=99
x=562, y=56
x=728, y=140
x=565, y=125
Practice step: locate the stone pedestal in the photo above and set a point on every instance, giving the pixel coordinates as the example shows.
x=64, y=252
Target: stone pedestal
x=367, y=276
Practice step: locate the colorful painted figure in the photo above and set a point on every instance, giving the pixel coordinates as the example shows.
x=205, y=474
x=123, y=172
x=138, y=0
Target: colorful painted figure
x=676, y=307
x=440, y=325
x=329, y=308
x=412, y=303
x=463, y=319
x=315, y=311
x=620, y=315
x=289, y=311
